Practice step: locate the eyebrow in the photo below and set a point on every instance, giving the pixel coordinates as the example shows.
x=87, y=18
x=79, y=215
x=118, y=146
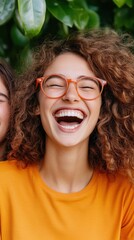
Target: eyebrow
x=81, y=76
x=4, y=95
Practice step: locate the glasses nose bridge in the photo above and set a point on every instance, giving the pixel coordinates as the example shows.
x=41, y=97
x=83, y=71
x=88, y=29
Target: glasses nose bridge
x=69, y=80
x=70, y=91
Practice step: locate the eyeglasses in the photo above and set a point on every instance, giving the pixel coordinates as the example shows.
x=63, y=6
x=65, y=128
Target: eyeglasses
x=56, y=86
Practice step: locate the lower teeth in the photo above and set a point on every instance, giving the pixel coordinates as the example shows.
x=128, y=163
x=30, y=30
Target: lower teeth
x=69, y=127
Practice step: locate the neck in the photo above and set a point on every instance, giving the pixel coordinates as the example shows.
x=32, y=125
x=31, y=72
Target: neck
x=66, y=169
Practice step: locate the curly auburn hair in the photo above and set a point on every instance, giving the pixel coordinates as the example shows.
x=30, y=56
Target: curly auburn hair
x=110, y=56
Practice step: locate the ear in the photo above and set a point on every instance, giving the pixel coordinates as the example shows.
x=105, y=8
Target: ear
x=37, y=110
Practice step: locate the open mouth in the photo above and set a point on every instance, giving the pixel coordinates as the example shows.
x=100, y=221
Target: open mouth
x=69, y=119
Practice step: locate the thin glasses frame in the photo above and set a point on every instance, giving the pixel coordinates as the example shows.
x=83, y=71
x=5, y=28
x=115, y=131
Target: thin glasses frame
x=40, y=80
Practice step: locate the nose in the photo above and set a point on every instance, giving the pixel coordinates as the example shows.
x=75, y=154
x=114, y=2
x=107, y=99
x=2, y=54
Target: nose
x=71, y=94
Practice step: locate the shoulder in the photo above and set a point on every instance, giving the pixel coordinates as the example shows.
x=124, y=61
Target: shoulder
x=117, y=183
x=11, y=171
x=8, y=167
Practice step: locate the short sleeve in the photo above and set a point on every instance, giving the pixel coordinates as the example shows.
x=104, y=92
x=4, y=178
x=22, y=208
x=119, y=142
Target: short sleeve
x=127, y=230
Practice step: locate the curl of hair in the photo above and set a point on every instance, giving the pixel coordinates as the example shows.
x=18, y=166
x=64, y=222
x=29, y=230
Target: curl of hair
x=110, y=57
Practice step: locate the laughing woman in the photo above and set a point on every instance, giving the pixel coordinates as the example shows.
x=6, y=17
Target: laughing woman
x=70, y=173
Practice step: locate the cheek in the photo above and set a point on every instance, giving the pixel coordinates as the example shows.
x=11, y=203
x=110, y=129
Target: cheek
x=45, y=104
x=4, y=113
x=94, y=107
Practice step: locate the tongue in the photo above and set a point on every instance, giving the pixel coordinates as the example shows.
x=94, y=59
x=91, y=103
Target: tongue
x=68, y=123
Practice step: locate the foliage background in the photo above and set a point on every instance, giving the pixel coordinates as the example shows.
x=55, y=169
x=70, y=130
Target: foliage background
x=26, y=23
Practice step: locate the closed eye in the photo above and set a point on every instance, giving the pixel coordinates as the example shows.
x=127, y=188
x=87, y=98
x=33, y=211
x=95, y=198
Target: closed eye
x=87, y=88
x=3, y=97
x=54, y=85
x=90, y=87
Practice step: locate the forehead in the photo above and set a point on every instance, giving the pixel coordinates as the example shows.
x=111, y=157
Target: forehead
x=69, y=63
x=68, y=58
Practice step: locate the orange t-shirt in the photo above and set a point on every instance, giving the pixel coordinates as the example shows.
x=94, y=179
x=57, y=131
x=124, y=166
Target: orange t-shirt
x=30, y=210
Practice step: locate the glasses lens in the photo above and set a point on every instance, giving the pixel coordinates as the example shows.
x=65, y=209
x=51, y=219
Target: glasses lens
x=54, y=86
x=89, y=88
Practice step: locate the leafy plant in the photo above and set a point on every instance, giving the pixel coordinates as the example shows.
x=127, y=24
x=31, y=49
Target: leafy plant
x=25, y=23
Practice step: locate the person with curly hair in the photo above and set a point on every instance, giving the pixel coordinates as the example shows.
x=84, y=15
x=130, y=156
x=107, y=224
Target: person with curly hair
x=6, y=89
x=70, y=172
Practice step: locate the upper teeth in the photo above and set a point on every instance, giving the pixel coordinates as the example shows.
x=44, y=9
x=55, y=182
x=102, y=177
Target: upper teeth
x=69, y=113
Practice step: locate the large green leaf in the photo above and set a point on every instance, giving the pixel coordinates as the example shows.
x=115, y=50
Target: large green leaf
x=60, y=9
x=17, y=37
x=94, y=20
x=32, y=14
x=119, y=3
x=6, y=10
x=18, y=20
x=81, y=18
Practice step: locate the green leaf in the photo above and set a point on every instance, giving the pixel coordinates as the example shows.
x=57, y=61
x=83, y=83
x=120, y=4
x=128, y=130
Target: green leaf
x=73, y=12
x=6, y=10
x=81, y=19
x=65, y=29
x=18, y=20
x=129, y=3
x=119, y=19
x=119, y=3
x=60, y=10
x=79, y=4
x=32, y=14
x=78, y=11
x=17, y=37
x=94, y=20
x=83, y=16
x=124, y=19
